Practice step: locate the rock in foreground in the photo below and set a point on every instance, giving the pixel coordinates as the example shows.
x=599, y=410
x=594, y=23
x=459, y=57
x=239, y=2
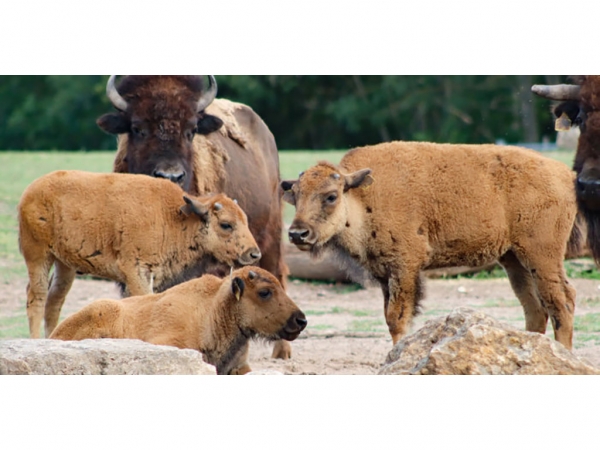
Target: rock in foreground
x=467, y=342
x=97, y=357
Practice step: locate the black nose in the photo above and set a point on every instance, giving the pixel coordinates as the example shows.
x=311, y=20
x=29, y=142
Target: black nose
x=298, y=235
x=176, y=177
x=301, y=321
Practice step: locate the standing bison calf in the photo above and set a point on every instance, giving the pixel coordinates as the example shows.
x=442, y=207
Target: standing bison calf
x=214, y=316
x=140, y=231
x=398, y=208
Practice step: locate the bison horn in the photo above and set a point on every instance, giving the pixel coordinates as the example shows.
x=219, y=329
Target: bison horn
x=208, y=97
x=557, y=91
x=218, y=206
x=114, y=96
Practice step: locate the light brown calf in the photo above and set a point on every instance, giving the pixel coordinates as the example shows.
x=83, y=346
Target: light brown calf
x=140, y=231
x=214, y=316
x=401, y=207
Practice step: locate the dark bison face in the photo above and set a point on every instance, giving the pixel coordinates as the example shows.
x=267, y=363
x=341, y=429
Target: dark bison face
x=160, y=115
x=587, y=162
x=580, y=106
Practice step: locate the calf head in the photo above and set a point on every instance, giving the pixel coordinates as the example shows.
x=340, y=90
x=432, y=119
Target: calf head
x=580, y=106
x=264, y=309
x=320, y=197
x=161, y=116
x=224, y=232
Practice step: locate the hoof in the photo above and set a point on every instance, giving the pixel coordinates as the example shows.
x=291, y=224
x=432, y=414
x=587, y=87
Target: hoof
x=242, y=370
x=282, y=350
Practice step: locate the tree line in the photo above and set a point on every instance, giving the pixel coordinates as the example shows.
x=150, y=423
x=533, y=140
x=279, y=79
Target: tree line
x=303, y=112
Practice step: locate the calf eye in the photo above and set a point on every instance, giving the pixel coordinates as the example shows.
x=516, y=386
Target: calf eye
x=331, y=198
x=265, y=294
x=226, y=226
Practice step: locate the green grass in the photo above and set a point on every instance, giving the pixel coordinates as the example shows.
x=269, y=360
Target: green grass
x=501, y=303
x=588, y=301
x=583, y=338
x=321, y=326
x=496, y=272
x=339, y=310
x=364, y=326
x=437, y=312
x=587, y=323
x=291, y=163
x=14, y=327
x=564, y=156
x=589, y=271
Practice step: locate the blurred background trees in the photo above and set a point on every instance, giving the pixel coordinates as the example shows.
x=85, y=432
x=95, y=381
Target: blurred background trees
x=303, y=112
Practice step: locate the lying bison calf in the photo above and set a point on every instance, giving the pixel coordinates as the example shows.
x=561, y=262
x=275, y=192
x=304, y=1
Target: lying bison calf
x=214, y=316
x=398, y=208
x=136, y=230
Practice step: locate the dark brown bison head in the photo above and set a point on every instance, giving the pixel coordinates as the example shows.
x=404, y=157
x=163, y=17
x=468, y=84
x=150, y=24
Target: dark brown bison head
x=580, y=106
x=161, y=116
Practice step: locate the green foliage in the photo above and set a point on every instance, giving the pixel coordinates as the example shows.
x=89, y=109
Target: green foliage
x=308, y=111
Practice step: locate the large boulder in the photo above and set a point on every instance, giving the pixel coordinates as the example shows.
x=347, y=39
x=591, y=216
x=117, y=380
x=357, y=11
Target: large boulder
x=98, y=357
x=471, y=343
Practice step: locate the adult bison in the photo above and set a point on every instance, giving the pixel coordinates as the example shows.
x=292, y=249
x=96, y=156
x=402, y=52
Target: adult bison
x=173, y=127
x=580, y=106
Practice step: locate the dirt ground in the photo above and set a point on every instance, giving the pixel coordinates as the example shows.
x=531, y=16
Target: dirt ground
x=346, y=331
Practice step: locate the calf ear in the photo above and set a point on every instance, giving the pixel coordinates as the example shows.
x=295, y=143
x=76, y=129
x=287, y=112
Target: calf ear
x=288, y=194
x=207, y=124
x=114, y=123
x=237, y=287
x=359, y=178
x=195, y=207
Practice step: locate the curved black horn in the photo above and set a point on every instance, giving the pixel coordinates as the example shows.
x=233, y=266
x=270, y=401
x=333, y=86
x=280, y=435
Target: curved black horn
x=208, y=96
x=557, y=91
x=114, y=96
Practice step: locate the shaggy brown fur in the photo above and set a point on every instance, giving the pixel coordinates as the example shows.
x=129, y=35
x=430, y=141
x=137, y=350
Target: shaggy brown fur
x=214, y=316
x=133, y=229
x=226, y=148
x=401, y=207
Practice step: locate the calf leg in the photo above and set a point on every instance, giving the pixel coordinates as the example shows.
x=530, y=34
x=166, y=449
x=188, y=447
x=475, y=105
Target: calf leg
x=62, y=280
x=523, y=284
x=136, y=283
x=37, y=290
x=558, y=296
x=405, y=292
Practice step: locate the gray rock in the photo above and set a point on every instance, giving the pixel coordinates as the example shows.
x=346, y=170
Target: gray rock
x=471, y=343
x=97, y=357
